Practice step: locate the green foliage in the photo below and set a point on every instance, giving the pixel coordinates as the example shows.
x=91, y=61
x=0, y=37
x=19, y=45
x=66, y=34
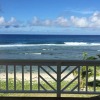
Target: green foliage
x=91, y=58
x=84, y=55
x=90, y=68
x=35, y=86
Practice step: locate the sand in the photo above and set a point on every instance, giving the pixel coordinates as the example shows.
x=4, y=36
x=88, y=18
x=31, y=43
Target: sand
x=34, y=76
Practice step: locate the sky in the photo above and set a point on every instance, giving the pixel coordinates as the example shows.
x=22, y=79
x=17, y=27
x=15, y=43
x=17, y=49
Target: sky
x=70, y=17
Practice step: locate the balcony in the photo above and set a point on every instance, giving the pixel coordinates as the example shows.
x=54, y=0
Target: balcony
x=49, y=76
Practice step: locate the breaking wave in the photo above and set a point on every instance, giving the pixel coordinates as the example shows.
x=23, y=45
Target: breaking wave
x=65, y=44
x=81, y=44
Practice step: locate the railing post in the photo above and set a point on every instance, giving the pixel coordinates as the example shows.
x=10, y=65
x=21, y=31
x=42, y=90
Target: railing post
x=15, y=77
x=6, y=77
x=79, y=78
x=22, y=78
x=94, y=83
x=86, y=78
x=58, y=80
x=38, y=77
x=31, y=77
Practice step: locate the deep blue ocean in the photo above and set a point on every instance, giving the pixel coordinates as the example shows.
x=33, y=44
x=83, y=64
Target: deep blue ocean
x=70, y=47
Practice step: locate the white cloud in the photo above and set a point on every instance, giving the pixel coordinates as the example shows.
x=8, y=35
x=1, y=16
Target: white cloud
x=10, y=23
x=91, y=22
x=95, y=20
x=61, y=21
x=2, y=21
x=82, y=12
x=79, y=22
x=48, y=22
x=13, y=22
x=35, y=21
x=73, y=21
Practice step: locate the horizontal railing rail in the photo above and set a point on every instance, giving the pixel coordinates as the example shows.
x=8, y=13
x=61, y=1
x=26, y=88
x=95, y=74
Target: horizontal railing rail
x=50, y=76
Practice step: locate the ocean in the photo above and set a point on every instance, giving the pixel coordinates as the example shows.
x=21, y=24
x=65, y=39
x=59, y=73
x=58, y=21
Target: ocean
x=65, y=47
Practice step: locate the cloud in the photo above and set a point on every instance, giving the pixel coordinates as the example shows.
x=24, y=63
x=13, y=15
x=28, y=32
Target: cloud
x=92, y=21
x=95, y=20
x=11, y=23
x=48, y=22
x=89, y=22
x=83, y=12
x=35, y=21
x=60, y=21
x=2, y=21
x=79, y=22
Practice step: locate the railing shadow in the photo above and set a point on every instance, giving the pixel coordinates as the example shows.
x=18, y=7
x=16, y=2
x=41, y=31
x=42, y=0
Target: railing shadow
x=92, y=82
x=48, y=98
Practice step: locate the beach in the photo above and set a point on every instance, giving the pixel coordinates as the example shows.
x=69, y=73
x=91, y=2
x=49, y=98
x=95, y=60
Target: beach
x=34, y=76
x=44, y=75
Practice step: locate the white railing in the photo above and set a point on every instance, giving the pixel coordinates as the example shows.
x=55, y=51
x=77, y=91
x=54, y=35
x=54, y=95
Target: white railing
x=48, y=76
